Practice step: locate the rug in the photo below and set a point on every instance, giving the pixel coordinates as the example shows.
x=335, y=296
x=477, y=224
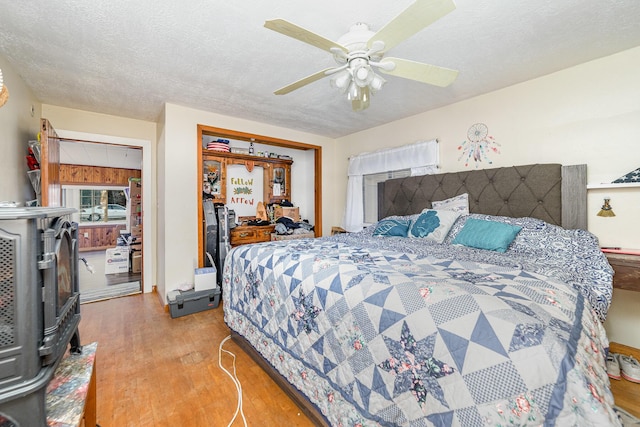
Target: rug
x=626, y=418
x=109, y=292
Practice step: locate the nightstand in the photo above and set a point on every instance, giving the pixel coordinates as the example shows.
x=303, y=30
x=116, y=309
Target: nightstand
x=337, y=230
x=627, y=270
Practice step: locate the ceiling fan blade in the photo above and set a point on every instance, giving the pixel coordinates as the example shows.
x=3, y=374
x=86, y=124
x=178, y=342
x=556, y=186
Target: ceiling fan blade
x=303, y=82
x=292, y=30
x=419, y=15
x=425, y=73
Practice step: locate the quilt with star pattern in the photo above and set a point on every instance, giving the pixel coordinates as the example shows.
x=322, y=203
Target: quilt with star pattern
x=390, y=331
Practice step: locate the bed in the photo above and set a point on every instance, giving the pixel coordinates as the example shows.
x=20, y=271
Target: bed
x=428, y=328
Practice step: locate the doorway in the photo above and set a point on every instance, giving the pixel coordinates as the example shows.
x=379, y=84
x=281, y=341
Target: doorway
x=108, y=249
x=146, y=217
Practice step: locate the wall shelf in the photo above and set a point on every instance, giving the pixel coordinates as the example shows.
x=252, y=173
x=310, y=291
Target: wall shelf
x=613, y=186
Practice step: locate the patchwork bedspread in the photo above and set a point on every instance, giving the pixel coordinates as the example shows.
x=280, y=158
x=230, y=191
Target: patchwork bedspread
x=379, y=337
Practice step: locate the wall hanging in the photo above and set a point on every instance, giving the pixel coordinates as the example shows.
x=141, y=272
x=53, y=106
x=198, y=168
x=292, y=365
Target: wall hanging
x=4, y=92
x=606, y=209
x=244, y=188
x=479, y=143
x=633, y=176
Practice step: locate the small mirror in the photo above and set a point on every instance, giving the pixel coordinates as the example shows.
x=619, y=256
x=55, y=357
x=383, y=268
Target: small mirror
x=279, y=184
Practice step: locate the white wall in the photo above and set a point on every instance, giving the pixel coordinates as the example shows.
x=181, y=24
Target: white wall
x=586, y=114
x=161, y=200
x=178, y=181
x=17, y=126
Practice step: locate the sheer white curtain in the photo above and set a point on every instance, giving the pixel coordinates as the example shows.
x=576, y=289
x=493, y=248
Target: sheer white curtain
x=421, y=157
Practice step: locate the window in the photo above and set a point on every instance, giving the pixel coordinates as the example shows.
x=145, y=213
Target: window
x=414, y=159
x=370, y=192
x=97, y=204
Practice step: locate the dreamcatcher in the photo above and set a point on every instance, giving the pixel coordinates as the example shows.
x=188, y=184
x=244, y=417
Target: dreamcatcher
x=477, y=146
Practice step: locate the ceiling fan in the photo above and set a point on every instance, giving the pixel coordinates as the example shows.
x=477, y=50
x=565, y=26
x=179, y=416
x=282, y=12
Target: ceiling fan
x=360, y=53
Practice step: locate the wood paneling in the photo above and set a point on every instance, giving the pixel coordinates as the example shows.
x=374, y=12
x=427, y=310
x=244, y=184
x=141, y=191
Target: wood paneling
x=76, y=174
x=99, y=237
x=96, y=175
x=50, y=186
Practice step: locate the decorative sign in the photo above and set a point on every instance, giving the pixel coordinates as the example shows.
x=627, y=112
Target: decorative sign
x=244, y=189
x=479, y=144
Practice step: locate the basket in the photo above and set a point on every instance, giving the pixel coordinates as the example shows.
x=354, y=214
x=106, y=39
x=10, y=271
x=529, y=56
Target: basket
x=4, y=95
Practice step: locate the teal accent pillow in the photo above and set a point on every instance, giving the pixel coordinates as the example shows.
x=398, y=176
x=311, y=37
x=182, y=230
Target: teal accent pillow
x=489, y=235
x=392, y=227
x=433, y=224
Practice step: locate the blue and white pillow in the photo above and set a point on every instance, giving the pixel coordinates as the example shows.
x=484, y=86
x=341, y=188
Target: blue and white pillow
x=458, y=204
x=433, y=224
x=392, y=227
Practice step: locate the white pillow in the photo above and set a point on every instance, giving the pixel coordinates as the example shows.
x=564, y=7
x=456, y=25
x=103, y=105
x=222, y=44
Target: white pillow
x=457, y=204
x=432, y=224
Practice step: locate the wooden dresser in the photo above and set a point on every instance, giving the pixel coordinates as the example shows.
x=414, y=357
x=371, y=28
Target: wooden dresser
x=627, y=271
x=244, y=234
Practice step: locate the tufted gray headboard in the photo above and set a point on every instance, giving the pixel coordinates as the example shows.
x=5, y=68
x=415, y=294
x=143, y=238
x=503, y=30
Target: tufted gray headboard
x=554, y=193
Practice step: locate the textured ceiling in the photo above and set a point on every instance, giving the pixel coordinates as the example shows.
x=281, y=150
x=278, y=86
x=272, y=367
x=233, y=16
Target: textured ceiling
x=128, y=58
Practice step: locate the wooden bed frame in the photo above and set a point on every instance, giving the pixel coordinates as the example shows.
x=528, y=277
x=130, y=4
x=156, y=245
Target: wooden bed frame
x=551, y=192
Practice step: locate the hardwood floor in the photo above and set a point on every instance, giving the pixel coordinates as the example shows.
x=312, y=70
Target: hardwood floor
x=153, y=370
x=626, y=393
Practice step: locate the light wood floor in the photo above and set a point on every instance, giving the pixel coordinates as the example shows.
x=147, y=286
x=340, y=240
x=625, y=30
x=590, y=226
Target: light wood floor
x=153, y=370
x=156, y=371
x=627, y=394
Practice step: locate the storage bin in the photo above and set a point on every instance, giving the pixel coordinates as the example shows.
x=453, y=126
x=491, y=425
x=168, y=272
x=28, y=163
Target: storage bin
x=182, y=303
x=136, y=262
x=205, y=278
x=116, y=260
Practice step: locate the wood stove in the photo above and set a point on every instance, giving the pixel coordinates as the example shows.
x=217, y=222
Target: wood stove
x=39, y=306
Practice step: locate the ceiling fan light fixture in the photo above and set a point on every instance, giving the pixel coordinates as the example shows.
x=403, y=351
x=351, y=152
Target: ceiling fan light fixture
x=354, y=92
x=376, y=83
x=360, y=53
x=341, y=80
x=365, y=95
x=357, y=37
x=363, y=75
